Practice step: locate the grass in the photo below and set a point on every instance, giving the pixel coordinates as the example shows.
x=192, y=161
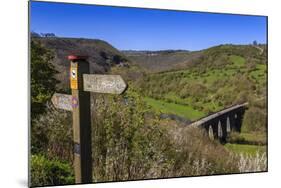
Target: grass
x=245, y=149
x=252, y=137
x=172, y=108
x=248, y=138
x=174, y=97
x=237, y=61
x=259, y=73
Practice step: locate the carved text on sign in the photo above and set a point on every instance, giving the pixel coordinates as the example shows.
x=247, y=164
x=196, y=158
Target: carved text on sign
x=104, y=83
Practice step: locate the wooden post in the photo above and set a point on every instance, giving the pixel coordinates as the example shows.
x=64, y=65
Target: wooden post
x=81, y=83
x=81, y=120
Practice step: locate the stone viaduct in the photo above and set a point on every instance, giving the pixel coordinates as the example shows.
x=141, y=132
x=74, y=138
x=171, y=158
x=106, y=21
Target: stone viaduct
x=220, y=124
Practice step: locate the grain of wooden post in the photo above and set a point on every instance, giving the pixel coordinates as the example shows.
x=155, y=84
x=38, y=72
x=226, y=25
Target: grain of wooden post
x=81, y=120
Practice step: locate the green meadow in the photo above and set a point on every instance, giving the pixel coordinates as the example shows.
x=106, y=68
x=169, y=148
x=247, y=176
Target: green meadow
x=171, y=108
x=245, y=149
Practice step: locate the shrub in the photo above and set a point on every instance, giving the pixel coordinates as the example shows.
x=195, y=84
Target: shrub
x=241, y=97
x=126, y=144
x=43, y=83
x=255, y=120
x=50, y=172
x=51, y=134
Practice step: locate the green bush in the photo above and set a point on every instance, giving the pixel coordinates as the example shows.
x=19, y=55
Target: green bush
x=126, y=144
x=50, y=172
x=51, y=134
x=43, y=83
x=255, y=120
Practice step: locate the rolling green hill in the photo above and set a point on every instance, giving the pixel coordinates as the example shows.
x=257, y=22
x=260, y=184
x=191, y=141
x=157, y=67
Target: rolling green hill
x=222, y=76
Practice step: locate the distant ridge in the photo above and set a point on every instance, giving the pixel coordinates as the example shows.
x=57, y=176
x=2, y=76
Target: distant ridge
x=101, y=54
x=168, y=60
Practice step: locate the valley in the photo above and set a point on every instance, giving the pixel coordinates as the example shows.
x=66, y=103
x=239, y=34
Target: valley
x=145, y=132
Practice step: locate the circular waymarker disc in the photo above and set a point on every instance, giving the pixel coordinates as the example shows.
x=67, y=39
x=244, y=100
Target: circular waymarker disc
x=74, y=102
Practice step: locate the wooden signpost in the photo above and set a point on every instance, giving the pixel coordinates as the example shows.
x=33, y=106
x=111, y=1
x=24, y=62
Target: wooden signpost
x=104, y=83
x=81, y=84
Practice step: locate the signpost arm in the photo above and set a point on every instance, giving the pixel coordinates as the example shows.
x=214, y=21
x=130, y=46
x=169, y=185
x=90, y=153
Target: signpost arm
x=81, y=120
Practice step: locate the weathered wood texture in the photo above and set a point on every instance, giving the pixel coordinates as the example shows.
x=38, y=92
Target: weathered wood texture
x=81, y=126
x=62, y=101
x=104, y=83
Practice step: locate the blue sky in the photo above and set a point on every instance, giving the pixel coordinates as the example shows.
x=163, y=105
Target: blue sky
x=146, y=29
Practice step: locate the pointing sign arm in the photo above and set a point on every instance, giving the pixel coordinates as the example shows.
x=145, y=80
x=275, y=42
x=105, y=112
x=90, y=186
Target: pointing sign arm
x=62, y=101
x=104, y=83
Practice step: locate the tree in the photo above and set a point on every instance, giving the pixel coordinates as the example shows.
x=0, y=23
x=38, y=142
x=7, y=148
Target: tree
x=103, y=55
x=255, y=43
x=34, y=34
x=43, y=83
x=48, y=35
x=116, y=59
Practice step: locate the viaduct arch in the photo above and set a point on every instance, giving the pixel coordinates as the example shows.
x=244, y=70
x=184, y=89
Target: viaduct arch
x=220, y=124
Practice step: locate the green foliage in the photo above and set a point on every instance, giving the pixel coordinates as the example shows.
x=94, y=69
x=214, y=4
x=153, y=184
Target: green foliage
x=50, y=172
x=255, y=120
x=126, y=145
x=51, y=135
x=43, y=83
x=116, y=59
x=50, y=130
x=131, y=143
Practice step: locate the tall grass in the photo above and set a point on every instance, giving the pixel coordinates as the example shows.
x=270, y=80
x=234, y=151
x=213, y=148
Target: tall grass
x=248, y=163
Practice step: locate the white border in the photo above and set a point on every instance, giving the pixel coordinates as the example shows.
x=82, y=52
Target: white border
x=13, y=134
